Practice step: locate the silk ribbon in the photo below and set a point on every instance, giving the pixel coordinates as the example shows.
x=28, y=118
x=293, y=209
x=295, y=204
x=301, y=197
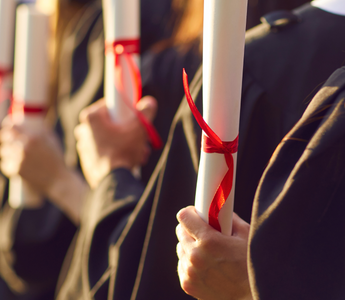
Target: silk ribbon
x=213, y=144
x=125, y=49
x=19, y=106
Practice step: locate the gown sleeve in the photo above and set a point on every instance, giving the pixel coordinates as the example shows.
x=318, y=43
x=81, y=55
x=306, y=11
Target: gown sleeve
x=297, y=243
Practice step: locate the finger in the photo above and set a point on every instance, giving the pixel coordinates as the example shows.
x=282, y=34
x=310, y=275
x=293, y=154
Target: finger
x=181, y=273
x=9, y=168
x=148, y=106
x=78, y=130
x=186, y=282
x=183, y=236
x=11, y=158
x=94, y=107
x=239, y=227
x=194, y=225
x=179, y=250
x=9, y=135
x=6, y=135
x=84, y=138
x=11, y=149
x=19, y=129
x=7, y=121
x=83, y=132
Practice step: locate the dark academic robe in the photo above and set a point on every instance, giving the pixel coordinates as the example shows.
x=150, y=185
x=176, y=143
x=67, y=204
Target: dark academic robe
x=282, y=67
x=34, y=242
x=258, y=8
x=297, y=241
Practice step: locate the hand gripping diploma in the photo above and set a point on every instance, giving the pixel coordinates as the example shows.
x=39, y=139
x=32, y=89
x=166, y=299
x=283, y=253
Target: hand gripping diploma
x=38, y=158
x=212, y=265
x=104, y=145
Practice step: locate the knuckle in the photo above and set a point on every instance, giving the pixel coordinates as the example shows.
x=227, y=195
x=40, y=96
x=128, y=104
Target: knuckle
x=192, y=273
x=208, y=242
x=178, y=231
x=196, y=260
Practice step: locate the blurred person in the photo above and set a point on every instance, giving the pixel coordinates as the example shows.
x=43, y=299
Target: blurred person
x=282, y=71
x=295, y=244
x=34, y=242
x=117, y=192
x=296, y=240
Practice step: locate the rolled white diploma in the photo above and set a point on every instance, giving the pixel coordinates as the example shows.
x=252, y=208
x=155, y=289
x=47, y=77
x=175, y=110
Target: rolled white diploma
x=7, y=22
x=223, y=52
x=30, y=87
x=121, y=22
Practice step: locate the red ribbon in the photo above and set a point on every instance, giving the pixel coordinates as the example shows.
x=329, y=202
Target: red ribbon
x=19, y=106
x=3, y=73
x=213, y=144
x=126, y=48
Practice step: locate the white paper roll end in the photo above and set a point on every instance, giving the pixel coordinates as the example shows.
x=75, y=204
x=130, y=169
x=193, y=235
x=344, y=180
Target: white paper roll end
x=31, y=67
x=31, y=83
x=21, y=195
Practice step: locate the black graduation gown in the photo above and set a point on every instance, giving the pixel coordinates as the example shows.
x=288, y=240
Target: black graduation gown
x=118, y=255
x=283, y=69
x=297, y=241
x=142, y=263
x=33, y=243
x=258, y=8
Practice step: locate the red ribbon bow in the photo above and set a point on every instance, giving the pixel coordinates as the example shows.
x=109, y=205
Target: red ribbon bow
x=213, y=144
x=126, y=48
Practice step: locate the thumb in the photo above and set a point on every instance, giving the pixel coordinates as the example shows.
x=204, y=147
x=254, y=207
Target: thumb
x=192, y=223
x=148, y=107
x=91, y=110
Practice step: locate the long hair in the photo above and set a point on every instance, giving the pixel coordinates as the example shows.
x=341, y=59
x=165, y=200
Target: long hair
x=190, y=23
x=61, y=12
x=187, y=22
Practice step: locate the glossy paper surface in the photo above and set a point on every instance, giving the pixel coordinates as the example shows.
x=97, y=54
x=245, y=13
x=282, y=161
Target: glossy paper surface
x=30, y=86
x=223, y=52
x=121, y=22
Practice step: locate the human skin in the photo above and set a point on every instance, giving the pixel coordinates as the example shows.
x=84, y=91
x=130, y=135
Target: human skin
x=104, y=145
x=38, y=158
x=212, y=265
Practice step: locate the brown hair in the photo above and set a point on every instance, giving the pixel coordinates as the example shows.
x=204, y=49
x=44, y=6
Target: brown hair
x=62, y=12
x=187, y=18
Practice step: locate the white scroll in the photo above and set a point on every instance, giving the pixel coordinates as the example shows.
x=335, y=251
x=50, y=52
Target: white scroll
x=30, y=87
x=223, y=52
x=121, y=23
x=7, y=21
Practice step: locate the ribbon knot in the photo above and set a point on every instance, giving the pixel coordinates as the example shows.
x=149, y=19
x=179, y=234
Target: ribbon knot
x=125, y=49
x=226, y=147
x=213, y=144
